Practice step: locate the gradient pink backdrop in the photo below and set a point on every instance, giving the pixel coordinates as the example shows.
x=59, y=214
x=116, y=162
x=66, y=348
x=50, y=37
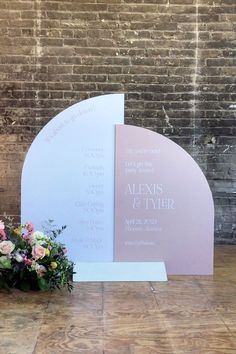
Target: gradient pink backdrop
x=182, y=236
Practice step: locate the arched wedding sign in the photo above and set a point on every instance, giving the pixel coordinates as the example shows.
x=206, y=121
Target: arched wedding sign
x=132, y=199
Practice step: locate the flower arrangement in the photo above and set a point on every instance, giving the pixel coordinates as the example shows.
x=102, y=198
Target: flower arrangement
x=33, y=260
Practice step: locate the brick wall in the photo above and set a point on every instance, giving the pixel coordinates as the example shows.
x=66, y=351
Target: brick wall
x=174, y=59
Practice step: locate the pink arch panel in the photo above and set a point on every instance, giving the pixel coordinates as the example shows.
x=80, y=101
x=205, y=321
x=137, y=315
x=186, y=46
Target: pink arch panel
x=163, y=205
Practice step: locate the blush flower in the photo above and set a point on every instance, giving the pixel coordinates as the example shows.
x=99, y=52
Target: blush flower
x=38, y=252
x=27, y=261
x=6, y=247
x=2, y=226
x=40, y=270
x=3, y=235
x=29, y=227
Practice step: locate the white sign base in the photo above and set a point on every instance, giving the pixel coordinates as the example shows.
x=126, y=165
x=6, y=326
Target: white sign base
x=120, y=271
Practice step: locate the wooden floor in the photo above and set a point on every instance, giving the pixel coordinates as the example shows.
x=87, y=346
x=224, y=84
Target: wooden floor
x=185, y=315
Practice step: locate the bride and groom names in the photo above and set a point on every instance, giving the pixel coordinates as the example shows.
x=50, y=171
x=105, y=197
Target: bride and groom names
x=148, y=196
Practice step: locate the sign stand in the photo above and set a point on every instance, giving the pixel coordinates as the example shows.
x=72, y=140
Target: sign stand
x=120, y=271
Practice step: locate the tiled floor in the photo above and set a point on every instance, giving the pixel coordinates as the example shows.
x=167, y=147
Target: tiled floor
x=186, y=315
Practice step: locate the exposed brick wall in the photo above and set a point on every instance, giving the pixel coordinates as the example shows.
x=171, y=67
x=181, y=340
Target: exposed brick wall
x=174, y=59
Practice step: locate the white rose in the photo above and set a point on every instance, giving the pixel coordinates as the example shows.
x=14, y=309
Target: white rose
x=38, y=237
x=6, y=247
x=41, y=270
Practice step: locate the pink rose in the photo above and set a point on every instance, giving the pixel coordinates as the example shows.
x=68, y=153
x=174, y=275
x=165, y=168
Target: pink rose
x=27, y=261
x=6, y=247
x=2, y=226
x=29, y=227
x=38, y=252
x=3, y=235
